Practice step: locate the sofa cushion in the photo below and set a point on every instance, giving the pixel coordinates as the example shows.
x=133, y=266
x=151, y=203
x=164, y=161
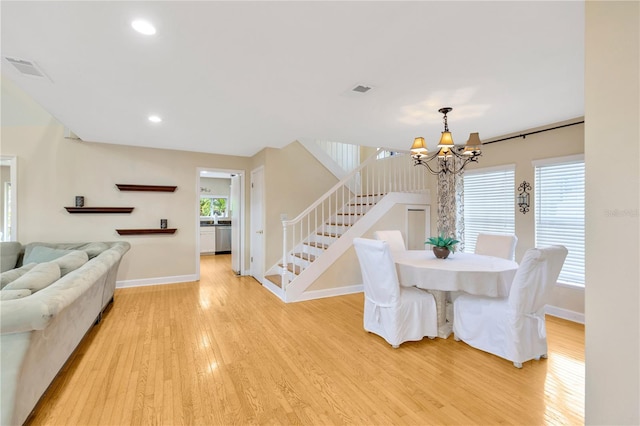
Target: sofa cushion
x=71, y=261
x=93, y=249
x=40, y=254
x=14, y=294
x=9, y=253
x=13, y=274
x=39, y=277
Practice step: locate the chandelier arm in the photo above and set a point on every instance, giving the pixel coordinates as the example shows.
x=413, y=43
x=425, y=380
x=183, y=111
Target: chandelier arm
x=426, y=164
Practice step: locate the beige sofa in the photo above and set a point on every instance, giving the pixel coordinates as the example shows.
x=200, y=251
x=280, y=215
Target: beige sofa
x=40, y=330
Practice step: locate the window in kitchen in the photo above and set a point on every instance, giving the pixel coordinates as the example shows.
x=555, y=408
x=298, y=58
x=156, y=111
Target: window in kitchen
x=212, y=205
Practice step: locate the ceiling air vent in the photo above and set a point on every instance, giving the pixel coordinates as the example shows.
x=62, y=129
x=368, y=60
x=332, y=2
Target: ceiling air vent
x=361, y=89
x=27, y=67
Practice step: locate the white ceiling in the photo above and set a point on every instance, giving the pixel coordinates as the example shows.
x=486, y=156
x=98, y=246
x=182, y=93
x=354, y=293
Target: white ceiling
x=234, y=77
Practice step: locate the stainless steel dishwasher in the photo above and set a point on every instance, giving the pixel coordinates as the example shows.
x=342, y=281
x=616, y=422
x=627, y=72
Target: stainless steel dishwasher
x=223, y=239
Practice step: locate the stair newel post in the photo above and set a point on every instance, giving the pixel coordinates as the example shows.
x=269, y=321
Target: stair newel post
x=285, y=260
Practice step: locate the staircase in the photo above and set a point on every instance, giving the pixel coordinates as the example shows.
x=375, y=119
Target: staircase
x=324, y=231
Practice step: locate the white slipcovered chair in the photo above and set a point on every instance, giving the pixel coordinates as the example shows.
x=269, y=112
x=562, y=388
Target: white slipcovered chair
x=398, y=314
x=393, y=237
x=512, y=327
x=498, y=245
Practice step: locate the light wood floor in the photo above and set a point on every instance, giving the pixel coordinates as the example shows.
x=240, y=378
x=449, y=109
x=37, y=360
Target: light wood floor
x=226, y=351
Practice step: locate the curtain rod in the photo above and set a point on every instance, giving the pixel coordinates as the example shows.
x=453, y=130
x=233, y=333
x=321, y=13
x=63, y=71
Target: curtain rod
x=524, y=135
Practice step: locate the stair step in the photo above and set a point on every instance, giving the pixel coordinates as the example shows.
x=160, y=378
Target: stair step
x=276, y=279
x=339, y=224
x=317, y=245
x=329, y=234
x=361, y=204
x=292, y=268
x=370, y=195
x=305, y=256
x=350, y=214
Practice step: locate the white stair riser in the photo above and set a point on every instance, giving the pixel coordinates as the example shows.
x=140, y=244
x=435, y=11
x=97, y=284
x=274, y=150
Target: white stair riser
x=308, y=250
x=335, y=229
x=356, y=209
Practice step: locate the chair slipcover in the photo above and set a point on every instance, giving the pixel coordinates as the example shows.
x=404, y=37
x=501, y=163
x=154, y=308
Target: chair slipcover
x=513, y=327
x=393, y=237
x=498, y=245
x=398, y=314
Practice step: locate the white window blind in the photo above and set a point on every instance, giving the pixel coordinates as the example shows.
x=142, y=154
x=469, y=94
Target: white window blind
x=559, y=211
x=489, y=203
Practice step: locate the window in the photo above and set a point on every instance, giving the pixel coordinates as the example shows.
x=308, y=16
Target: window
x=211, y=205
x=489, y=203
x=559, y=211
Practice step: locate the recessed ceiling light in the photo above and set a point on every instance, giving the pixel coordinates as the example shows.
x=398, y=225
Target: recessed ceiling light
x=143, y=27
x=154, y=119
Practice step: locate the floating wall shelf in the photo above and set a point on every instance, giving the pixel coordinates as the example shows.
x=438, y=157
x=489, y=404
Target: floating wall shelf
x=145, y=231
x=99, y=209
x=154, y=188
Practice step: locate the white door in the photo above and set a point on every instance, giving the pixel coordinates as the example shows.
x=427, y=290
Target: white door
x=257, y=224
x=234, y=203
x=418, y=226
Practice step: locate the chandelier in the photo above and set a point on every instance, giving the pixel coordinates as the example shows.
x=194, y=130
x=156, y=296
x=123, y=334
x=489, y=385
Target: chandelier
x=447, y=153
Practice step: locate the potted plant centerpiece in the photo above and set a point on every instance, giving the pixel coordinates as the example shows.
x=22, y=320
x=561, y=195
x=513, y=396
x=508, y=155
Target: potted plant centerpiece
x=442, y=246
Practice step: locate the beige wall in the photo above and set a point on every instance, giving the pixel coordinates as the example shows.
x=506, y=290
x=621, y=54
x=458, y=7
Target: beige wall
x=612, y=108
x=294, y=179
x=215, y=186
x=521, y=152
x=53, y=170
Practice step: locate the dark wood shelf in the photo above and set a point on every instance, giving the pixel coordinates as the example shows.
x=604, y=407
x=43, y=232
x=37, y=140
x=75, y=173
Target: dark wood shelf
x=145, y=231
x=153, y=188
x=99, y=209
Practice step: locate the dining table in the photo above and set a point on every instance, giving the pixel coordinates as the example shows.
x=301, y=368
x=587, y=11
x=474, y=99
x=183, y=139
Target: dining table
x=460, y=272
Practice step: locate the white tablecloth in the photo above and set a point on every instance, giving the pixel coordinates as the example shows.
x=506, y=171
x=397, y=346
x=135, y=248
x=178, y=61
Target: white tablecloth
x=471, y=273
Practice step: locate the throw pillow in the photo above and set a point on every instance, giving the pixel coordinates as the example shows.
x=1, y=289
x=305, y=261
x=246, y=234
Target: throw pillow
x=71, y=261
x=12, y=275
x=42, y=275
x=14, y=294
x=9, y=255
x=40, y=254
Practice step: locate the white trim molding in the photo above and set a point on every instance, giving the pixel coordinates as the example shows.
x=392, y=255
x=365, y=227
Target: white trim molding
x=330, y=292
x=156, y=281
x=564, y=314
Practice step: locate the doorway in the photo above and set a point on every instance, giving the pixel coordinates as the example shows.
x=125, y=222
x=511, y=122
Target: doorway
x=418, y=226
x=220, y=219
x=8, y=198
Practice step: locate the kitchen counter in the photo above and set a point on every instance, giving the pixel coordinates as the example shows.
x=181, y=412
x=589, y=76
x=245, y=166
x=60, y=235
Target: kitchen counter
x=207, y=223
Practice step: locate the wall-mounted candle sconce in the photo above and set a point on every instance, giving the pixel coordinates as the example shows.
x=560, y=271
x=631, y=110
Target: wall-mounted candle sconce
x=523, y=196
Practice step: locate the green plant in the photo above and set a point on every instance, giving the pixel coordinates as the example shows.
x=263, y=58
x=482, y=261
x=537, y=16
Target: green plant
x=442, y=241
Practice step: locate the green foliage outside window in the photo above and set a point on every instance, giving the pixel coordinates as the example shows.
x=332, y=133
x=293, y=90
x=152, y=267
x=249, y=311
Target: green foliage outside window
x=210, y=206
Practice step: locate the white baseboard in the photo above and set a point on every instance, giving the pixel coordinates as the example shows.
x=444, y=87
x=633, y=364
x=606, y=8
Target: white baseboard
x=155, y=281
x=330, y=292
x=564, y=314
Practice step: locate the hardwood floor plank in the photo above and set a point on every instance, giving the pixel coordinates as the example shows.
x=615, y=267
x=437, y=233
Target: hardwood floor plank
x=225, y=350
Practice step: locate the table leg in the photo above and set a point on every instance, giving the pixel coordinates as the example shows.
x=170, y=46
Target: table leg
x=444, y=328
